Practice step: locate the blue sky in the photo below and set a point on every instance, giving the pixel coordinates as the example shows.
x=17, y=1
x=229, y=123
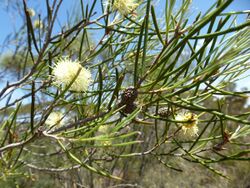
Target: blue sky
x=11, y=22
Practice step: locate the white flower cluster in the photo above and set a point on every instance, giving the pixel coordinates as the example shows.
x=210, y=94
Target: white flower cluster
x=124, y=7
x=55, y=119
x=66, y=71
x=189, y=123
x=38, y=24
x=31, y=12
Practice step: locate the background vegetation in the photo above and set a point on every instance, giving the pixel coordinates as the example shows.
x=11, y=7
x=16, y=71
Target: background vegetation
x=146, y=69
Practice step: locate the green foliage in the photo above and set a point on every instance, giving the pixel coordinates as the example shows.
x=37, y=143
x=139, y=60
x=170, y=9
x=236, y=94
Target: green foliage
x=146, y=70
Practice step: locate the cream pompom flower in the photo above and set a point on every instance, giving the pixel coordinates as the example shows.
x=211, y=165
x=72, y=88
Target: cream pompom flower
x=124, y=7
x=38, y=24
x=189, y=123
x=103, y=129
x=66, y=70
x=31, y=12
x=55, y=119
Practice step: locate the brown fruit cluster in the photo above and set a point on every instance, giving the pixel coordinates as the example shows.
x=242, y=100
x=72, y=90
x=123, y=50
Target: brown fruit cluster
x=164, y=112
x=128, y=98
